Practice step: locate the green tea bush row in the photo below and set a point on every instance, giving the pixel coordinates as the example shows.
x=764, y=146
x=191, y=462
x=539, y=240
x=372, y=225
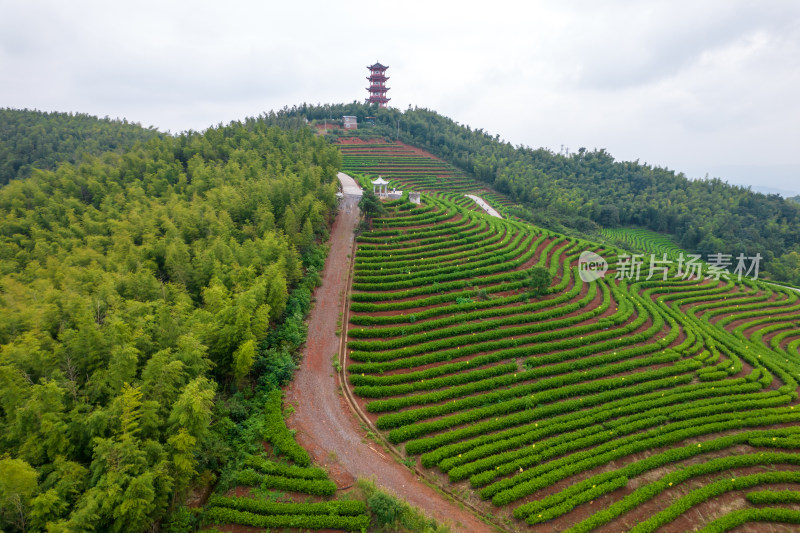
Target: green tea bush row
x=758, y=314
x=763, y=497
x=266, y=466
x=450, y=455
x=419, y=237
x=584, y=435
x=222, y=515
x=568, y=505
x=709, y=310
x=436, y=287
x=505, y=491
x=388, y=268
x=418, y=240
x=473, y=292
x=542, y=391
x=418, y=429
x=717, y=488
x=429, y=218
x=480, y=472
x=317, y=487
x=412, y=245
x=743, y=516
x=377, y=391
x=604, y=438
x=390, y=264
x=499, y=264
x=276, y=432
x=477, y=233
x=467, y=306
x=342, y=507
x=455, y=325
x=790, y=442
x=507, y=380
x=390, y=277
x=382, y=386
x=548, y=341
x=659, y=460
x=384, y=233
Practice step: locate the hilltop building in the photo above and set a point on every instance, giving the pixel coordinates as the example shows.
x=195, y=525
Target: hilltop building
x=349, y=122
x=377, y=85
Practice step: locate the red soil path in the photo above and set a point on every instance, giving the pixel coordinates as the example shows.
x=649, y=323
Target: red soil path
x=326, y=426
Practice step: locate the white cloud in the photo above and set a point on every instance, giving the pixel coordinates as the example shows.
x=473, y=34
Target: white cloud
x=690, y=85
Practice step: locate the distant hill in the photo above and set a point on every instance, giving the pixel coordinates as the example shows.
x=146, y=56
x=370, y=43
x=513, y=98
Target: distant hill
x=35, y=139
x=589, y=189
x=795, y=199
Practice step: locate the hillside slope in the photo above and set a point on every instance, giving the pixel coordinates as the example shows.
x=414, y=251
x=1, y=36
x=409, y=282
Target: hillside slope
x=590, y=189
x=632, y=401
x=138, y=292
x=35, y=139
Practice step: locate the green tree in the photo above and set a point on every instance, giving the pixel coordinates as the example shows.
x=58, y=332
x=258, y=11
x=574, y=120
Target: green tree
x=538, y=280
x=370, y=205
x=243, y=359
x=306, y=236
x=290, y=226
x=131, y=402
x=277, y=294
x=183, y=447
x=18, y=485
x=192, y=409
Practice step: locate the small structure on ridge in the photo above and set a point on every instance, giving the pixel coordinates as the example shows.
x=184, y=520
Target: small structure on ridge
x=349, y=122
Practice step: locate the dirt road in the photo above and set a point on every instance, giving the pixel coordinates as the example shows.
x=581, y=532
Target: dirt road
x=325, y=424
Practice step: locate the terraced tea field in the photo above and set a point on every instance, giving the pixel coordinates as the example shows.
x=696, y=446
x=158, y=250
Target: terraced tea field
x=306, y=491
x=404, y=167
x=645, y=240
x=619, y=404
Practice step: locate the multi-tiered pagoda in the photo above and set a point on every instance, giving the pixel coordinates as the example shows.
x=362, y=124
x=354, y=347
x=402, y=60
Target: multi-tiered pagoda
x=377, y=85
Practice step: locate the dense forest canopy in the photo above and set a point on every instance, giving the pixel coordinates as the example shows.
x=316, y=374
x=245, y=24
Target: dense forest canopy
x=152, y=286
x=137, y=290
x=34, y=139
x=590, y=188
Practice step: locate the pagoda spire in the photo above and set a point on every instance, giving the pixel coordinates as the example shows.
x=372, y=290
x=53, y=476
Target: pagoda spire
x=377, y=84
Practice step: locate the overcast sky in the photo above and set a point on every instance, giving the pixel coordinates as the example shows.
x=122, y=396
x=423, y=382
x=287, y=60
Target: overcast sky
x=697, y=86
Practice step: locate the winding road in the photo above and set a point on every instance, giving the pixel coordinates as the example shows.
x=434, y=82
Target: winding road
x=325, y=422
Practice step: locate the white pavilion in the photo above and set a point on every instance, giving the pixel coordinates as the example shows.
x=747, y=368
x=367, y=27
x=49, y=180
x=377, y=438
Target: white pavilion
x=380, y=187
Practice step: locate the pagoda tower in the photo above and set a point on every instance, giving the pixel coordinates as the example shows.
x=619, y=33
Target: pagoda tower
x=377, y=85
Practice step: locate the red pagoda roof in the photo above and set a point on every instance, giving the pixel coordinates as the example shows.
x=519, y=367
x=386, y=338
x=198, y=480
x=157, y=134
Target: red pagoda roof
x=378, y=66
